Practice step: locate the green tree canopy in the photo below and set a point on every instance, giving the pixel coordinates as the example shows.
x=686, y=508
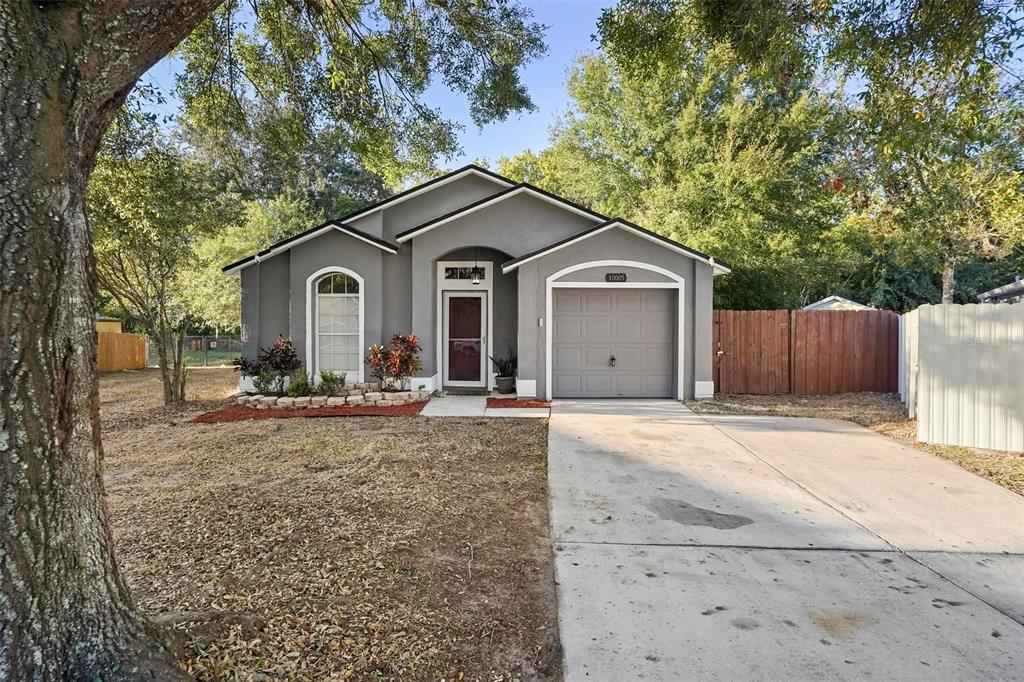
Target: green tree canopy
x=356, y=71
x=699, y=151
x=935, y=94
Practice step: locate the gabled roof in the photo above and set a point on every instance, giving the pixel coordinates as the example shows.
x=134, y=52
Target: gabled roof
x=514, y=190
x=294, y=240
x=617, y=223
x=825, y=302
x=441, y=180
x=340, y=223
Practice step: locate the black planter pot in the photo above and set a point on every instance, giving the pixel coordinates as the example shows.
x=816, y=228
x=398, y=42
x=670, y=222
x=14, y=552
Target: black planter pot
x=506, y=384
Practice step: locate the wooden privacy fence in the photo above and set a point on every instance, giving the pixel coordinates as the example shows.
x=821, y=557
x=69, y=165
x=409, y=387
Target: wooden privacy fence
x=115, y=351
x=805, y=352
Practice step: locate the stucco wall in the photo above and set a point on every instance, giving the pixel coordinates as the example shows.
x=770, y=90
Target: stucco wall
x=272, y=285
x=329, y=250
x=514, y=227
x=419, y=209
x=616, y=245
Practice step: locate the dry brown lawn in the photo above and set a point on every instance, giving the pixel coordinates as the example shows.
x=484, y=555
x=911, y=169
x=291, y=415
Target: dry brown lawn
x=333, y=548
x=880, y=412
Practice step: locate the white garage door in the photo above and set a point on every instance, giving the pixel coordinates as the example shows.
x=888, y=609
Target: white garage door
x=612, y=343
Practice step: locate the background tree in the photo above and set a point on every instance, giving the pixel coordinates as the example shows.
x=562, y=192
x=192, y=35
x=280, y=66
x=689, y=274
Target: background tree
x=67, y=69
x=149, y=207
x=700, y=151
x=216, y=299
x=935, y=102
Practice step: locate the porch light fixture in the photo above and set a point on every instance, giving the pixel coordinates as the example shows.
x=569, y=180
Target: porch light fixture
x=477, y=273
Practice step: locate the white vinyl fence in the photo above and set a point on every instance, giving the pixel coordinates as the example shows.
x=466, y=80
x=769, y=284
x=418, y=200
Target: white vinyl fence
x=962, y=374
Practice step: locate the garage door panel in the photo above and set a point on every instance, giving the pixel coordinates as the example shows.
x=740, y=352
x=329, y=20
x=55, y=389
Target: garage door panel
x=629, y=384
x=569, y=357
x=627, y=358
x=597, y=331
x=628, y=302
x=655, y=328
x=568, y=384
x=597, y=303
x=568, y=302
x=637, y=326
x=657, y=385
x=629, y=331
x=597, y=356
x=655, y=302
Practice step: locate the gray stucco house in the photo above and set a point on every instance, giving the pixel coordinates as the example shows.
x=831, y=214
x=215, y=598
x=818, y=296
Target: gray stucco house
x=474, y=263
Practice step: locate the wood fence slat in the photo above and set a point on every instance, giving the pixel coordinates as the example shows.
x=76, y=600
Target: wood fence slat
x=116, y=351
x=805, y=352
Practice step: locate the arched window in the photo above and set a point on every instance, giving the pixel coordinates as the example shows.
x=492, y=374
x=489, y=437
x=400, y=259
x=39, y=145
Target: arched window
x=337, y=325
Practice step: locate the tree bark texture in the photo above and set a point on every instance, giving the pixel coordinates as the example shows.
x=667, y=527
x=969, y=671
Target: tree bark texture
x=65, y=612
x=948, y=280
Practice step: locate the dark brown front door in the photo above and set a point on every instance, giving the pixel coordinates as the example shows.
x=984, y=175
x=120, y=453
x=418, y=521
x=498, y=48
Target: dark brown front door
x=465, y=350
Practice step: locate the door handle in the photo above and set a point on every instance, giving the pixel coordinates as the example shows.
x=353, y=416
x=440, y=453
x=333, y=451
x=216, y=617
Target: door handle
x=611, y=360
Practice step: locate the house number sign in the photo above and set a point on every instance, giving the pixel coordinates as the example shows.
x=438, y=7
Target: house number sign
x=615, y=277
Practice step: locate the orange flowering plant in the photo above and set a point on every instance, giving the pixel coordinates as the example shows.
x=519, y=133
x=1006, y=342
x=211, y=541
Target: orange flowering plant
x=393, y=366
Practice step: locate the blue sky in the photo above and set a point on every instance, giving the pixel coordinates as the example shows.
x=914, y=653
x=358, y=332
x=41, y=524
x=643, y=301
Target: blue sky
x=571, y=25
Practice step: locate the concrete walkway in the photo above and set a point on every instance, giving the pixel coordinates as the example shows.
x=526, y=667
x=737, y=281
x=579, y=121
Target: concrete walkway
x=733, y=547
x=475, y=406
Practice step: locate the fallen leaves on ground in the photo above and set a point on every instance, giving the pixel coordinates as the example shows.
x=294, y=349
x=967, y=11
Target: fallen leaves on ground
x=321, y=549
x=880, y=412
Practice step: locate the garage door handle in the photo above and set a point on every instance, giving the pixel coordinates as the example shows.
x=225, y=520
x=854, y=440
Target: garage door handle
x=611, y=360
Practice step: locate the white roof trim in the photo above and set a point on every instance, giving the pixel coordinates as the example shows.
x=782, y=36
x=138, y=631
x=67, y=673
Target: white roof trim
x=484, y=204
x=429, y=186
x=717, y=267
x=305, y=238
x=837, y=299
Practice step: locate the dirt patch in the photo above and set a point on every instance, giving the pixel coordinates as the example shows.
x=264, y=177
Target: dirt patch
x=516, y=402
x=237, y=413
x=880, y=412
x=314, y=549
x=838, y=622
x=134, y=398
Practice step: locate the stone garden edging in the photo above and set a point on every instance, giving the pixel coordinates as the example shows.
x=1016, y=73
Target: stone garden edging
x=366, y=394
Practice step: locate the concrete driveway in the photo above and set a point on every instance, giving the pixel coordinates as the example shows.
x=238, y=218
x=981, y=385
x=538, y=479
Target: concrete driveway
x=737, y=547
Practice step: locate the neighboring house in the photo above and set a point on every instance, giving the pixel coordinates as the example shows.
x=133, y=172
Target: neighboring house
x=1008, y=293
x=107, y=324
x=837, y=303
x=474, y=263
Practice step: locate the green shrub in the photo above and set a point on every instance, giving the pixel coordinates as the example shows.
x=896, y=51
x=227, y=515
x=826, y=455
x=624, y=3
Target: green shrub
x=299, y=385
x=267, y=383
x=331, y=383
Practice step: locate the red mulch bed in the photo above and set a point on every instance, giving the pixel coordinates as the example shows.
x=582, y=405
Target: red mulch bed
x=235, y=413
x=517, y=402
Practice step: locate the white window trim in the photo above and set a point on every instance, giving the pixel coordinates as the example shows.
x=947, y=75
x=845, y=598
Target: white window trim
x=443, y=285
x=553, y=282
x=311, y=313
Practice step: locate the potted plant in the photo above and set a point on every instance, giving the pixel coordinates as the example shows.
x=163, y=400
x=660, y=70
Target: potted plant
x=506, y=368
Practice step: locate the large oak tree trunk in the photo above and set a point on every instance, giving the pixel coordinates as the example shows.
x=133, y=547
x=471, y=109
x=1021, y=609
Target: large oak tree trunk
x=65, y=68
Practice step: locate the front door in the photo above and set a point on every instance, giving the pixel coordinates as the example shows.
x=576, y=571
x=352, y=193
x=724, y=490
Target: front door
x=465, y=340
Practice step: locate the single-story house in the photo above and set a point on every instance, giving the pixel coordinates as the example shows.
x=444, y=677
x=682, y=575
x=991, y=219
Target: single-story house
x=105, y=323
x=836, y=303
x=476, y=264
x=1008, y=293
